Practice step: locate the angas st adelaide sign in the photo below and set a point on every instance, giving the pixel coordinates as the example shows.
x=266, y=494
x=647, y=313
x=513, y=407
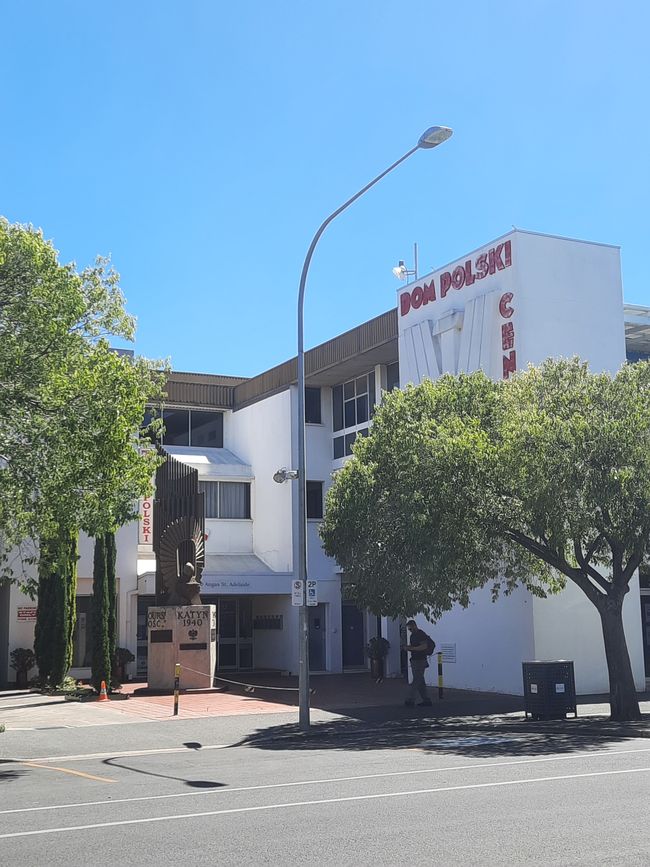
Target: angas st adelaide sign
x=496, y=259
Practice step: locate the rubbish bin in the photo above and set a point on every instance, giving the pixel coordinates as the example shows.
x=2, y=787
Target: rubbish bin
x=549, y=689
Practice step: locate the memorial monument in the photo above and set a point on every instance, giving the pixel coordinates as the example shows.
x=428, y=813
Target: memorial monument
x=180, y=629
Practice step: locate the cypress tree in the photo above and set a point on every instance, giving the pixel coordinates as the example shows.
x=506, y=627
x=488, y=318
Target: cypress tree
x=112, y=597
x=101, y=655
x=56, y=614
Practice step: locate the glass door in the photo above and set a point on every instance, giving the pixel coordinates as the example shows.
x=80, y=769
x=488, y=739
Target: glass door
x=235, y=633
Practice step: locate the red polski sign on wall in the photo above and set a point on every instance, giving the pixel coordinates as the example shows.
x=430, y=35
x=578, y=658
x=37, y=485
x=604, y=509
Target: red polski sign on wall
x=145, y=530
x=496, y=259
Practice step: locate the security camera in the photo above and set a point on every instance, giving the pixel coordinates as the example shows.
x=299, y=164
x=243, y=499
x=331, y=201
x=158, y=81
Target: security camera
x=284, y=474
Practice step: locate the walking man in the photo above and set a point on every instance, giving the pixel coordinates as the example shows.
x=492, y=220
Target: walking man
x=417, y=647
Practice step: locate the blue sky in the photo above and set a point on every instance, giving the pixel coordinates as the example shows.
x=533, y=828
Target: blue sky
x=201, y=143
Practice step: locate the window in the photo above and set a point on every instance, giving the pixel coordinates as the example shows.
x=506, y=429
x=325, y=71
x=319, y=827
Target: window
x=314, y=499
x=392, y=376
x=312, y=406
x=190, y=427
x=343, y=444
x=353, y=405
x=177, y=427
x=226, y=499
x=206, y=429
x=82, y=641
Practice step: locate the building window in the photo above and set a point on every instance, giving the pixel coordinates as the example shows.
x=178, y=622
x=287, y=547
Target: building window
x=343, y=444
x=392, y=376
x=314, y=499
x=82, y=643
x=190, y=427
x=353, y=405
x=227, y=499
x=312, y=406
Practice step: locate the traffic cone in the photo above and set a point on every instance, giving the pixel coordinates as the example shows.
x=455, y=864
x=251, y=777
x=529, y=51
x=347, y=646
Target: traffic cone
x=103, y=695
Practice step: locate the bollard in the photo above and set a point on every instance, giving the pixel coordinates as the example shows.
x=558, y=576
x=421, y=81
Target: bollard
x=440, y=688
x=177, y=681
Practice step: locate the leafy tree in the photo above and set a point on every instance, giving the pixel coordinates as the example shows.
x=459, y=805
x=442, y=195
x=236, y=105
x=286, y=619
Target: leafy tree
x=56, y=616
x=465, y=482
x=70, y=407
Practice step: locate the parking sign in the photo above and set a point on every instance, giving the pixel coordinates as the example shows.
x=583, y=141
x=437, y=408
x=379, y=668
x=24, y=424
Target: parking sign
x=312, y=593
x=296, y=592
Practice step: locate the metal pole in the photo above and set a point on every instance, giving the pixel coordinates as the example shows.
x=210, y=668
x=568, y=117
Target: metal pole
x=440, y=684
x=415, y=259
x=303, y=629
x=177, y=682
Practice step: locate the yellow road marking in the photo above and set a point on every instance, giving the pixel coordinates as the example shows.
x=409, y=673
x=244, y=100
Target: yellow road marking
x=69, y=771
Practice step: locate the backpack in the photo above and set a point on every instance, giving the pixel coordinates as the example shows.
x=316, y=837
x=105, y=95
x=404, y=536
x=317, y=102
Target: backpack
x=431, y=645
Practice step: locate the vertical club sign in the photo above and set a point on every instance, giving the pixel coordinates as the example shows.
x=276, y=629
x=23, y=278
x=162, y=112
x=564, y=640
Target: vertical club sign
x=507, y=334
x=145, y=529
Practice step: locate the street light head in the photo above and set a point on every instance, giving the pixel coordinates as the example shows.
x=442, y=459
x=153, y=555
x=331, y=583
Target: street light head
x=400, y=271
x=434, y=136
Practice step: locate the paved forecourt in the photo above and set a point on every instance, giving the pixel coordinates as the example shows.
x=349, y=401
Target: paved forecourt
x=443, y=792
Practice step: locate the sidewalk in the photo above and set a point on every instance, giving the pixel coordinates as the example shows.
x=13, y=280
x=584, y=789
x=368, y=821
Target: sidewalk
x=355, y=697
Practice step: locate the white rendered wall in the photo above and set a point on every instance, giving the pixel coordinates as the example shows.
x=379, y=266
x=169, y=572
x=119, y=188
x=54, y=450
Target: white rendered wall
x=492, y=639
x=567, y=626
x=260, y=434
x=273, y=648
x=229, y=536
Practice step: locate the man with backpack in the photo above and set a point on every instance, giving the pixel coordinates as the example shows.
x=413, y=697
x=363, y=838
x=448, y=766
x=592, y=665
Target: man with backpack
x=420, y=646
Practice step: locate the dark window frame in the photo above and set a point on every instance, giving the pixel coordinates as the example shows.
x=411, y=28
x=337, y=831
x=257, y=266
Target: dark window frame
x=313, y=410
x=314, y=500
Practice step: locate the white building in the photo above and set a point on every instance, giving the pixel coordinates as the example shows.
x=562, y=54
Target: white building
x=519, y=299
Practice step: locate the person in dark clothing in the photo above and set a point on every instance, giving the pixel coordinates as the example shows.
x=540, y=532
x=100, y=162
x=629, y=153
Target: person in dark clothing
x=417, y=647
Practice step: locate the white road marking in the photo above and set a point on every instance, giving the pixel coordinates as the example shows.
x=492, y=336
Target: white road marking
x=82, y=757
x=348, y=799
x=227, y=789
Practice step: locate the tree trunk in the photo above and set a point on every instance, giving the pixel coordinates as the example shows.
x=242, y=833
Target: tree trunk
x=112, y=599
x=101, y=657
x=622, y=692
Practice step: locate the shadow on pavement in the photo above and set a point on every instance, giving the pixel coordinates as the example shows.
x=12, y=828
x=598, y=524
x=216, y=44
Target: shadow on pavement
x=194, y=784
x=484, y=737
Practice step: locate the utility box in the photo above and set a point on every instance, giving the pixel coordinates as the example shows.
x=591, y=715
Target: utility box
x=549, y=689
x=186, y=634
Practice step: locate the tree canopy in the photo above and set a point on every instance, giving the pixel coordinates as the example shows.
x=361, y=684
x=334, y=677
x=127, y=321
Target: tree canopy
x=465, y=482
x=70, y=406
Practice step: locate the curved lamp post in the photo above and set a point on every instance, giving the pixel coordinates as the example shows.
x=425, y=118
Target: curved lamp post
x=431, y=138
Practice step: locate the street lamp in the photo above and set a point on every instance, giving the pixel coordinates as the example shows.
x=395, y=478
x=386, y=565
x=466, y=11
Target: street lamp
x=430, y=138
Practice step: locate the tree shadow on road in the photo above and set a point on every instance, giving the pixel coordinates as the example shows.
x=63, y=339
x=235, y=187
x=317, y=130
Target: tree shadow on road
x=483, y=737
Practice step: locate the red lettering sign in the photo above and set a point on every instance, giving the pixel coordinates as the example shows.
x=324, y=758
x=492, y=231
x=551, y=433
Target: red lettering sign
x=509, y=364
x=507, y=336
x=496, y=259
x=504, y=305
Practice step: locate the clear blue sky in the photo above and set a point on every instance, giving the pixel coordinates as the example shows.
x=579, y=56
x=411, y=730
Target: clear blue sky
x=202, y=142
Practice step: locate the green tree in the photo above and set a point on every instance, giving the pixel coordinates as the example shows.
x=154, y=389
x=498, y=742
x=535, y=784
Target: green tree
x=56, y=616
x=70, y=407
x=464, y=482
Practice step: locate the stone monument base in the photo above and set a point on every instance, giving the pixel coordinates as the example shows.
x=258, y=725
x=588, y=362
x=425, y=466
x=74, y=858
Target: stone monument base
x=185, y=634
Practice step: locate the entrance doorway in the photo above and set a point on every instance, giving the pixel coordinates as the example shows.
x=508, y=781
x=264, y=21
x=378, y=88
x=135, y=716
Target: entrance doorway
x=317, y=638
x=352, y=627
x=235, y=633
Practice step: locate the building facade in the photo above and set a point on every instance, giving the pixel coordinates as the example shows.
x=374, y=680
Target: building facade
x=518, y=300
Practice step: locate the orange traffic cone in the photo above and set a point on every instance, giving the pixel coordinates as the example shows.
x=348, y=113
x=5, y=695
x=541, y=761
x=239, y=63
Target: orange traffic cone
x=103, y=695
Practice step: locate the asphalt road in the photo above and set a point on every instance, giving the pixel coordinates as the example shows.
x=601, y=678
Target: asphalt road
x=197, y=792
